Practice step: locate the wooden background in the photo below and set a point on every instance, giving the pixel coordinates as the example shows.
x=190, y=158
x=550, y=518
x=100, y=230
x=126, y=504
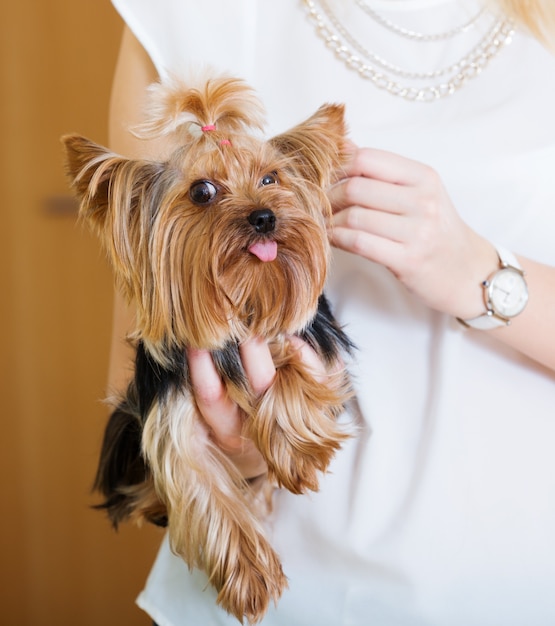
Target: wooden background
x=60, y=562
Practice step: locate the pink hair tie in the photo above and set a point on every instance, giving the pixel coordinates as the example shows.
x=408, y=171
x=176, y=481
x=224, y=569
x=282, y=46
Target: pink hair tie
x=225, y=142
x=208, y=127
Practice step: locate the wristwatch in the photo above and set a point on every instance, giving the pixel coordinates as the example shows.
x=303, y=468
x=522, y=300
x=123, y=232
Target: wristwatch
x=505, y=294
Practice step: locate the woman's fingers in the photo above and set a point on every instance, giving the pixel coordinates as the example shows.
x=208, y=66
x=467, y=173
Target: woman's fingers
x=372, y=221
x=221, y=414
x=224, y=418
x=373, y=247
x=258, y=364
x=385, y=166
x=397, y=212
x=370, y=193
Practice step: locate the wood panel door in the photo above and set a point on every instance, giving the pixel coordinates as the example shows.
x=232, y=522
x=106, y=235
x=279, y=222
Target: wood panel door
x=60, y=562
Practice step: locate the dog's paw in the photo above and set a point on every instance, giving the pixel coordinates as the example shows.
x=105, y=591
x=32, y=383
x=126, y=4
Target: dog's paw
x=295, y=426
x=230, y=547
x=250, y=580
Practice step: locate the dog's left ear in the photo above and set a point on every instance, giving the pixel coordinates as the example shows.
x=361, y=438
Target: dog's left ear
x=318, y=145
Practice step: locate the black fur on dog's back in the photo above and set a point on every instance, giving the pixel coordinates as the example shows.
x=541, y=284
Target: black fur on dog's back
x=325, y=335
x=122, y=467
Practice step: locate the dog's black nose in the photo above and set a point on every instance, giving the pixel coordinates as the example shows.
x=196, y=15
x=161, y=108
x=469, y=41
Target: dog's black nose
x=263, y=220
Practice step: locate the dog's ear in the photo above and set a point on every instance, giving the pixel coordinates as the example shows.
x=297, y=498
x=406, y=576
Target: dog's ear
x=106, y=183
x=89, y=168
x=119, y=198
x=318, y=145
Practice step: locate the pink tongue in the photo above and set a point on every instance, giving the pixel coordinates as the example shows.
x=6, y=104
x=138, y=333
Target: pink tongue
x=265, y=251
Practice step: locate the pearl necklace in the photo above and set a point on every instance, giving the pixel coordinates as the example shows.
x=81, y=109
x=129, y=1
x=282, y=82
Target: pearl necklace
x=455, y=76
x=413, y=35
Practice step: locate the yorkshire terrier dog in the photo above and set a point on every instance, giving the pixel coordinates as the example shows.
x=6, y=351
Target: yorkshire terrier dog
x=222, y=241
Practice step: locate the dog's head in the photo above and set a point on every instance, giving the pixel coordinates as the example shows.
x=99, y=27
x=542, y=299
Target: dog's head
x=227, y=237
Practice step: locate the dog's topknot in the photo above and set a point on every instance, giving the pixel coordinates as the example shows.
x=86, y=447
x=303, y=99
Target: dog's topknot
x=229, y=104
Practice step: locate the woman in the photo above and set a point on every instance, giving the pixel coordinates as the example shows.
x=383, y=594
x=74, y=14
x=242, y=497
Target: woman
x=441, y=510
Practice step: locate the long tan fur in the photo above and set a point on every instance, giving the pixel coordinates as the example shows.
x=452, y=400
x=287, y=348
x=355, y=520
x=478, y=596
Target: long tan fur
x=186, y=266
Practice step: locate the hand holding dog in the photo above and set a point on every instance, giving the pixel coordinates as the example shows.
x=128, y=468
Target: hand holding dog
x=396, y=212
x=223, y=416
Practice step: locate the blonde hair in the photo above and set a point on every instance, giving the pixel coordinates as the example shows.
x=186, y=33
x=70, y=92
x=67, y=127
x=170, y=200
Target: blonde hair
x=537, y=16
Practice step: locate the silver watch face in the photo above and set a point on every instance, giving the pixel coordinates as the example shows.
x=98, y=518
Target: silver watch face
x=507, y=292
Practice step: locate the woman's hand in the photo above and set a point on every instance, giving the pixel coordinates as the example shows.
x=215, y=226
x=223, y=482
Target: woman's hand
x=396, y=212
x=224, y=418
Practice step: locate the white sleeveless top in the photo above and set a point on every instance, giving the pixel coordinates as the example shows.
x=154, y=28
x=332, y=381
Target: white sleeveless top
x=442, y=511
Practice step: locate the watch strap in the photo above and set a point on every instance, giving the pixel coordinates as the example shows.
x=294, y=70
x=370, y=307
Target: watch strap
x=486, y=321
x=507, y=258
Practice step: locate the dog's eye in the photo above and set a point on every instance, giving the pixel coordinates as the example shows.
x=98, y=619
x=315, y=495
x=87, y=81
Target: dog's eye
x=269, y=179
x=203, y=192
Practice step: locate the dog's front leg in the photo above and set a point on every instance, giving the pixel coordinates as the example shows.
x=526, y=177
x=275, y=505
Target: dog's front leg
x=295, y=422
x=211, y=523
